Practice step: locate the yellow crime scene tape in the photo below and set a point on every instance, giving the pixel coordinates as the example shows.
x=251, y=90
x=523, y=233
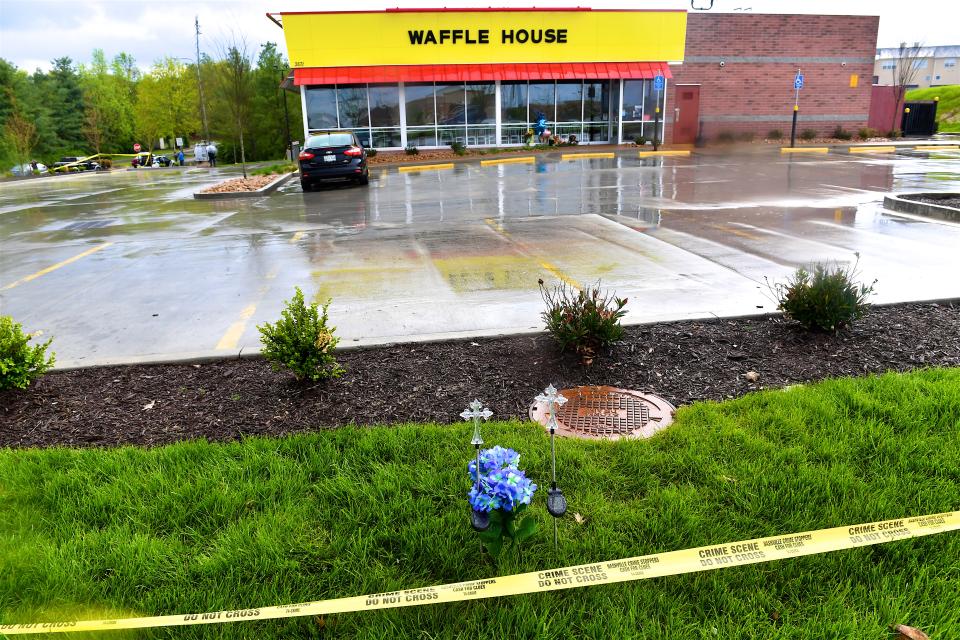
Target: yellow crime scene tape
x=720, y=556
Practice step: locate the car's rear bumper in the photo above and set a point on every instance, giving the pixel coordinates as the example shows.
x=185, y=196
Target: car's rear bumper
x=339, y=172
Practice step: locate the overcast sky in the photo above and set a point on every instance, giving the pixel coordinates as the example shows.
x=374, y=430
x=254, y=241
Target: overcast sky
x=33, y=32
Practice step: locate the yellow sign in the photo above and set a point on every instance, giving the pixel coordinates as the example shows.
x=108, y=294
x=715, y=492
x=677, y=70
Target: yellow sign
x=483, y=37
x=854, y=80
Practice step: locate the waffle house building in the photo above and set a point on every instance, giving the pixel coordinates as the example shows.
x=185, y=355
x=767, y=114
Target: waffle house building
x=481, y=77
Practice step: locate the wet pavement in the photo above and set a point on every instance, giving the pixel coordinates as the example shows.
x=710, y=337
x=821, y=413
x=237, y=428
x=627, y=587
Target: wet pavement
x=128, y=266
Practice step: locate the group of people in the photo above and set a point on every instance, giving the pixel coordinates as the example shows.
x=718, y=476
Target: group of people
x=202, y=152
x=205, y=152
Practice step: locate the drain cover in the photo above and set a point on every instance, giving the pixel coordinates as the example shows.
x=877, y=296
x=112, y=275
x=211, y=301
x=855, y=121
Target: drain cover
x=607, y=413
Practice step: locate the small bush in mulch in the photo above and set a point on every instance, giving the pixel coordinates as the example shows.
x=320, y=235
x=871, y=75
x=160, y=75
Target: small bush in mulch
x=826, y=300
x=585, y=320
x=301, y=341
x=411, y=150
x=808, y=134
x=20, y=364
x=250, y=183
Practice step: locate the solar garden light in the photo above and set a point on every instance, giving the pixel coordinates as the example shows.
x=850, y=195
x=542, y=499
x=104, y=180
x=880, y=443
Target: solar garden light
x=556, y=503
x=480, y=520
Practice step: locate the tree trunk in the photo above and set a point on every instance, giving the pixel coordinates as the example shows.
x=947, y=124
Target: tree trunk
x=243, y=157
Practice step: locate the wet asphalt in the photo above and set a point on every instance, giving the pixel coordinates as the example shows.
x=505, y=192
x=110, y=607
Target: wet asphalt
x=128, y=266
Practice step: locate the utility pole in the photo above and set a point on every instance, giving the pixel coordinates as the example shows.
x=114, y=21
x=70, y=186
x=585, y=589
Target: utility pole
x=203, y=106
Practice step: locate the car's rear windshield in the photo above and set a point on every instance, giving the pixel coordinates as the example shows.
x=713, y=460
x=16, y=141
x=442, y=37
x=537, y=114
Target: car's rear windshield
x=330, y=140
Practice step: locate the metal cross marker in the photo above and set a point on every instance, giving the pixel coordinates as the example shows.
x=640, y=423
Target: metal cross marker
x=480, y=520
x=556, y=503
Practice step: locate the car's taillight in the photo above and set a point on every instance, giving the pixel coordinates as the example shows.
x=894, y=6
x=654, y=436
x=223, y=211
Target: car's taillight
x=306, y=155
x=353, y=152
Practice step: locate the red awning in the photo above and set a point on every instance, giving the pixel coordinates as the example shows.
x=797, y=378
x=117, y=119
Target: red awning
x=481, y=72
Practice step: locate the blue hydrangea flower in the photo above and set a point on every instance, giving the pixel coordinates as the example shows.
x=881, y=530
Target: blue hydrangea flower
x=502, y=485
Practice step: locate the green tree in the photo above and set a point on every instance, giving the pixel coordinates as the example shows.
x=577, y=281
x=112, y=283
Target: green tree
x=63, y=96
x=235, y=88
x=167, y=102
x=108, y=107
x=269, y=134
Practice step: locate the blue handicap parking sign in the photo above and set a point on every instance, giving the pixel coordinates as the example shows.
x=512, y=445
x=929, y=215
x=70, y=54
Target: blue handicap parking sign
x=798, y=81
x=658, y=83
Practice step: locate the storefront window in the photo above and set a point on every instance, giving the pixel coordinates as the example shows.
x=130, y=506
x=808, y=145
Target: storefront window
x=513, y=102
x=596, y=101
x=385, y=106
x=321, y=108
x=650, y=101
x=480, y=103
x=632, y=100
x=542, y=101
x=419, y=105
x=352, y=103
x=569, y=101
x=450, y=107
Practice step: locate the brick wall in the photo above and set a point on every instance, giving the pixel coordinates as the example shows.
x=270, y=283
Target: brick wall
x=753, y=91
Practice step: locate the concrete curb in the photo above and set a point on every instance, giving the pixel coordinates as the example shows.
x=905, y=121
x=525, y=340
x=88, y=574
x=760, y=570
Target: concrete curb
x=262, y=191
x=435, y=338
x=935, y=211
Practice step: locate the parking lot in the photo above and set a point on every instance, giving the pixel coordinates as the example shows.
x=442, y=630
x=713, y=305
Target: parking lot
x=129, y=266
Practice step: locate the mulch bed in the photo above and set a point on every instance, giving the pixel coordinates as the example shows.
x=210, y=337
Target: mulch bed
x=946, y=200
x=682, y=361
x=250, y=183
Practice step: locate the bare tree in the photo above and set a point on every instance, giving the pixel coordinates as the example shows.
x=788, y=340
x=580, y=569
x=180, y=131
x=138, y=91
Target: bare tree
x=905, y=68
x=22, y=135
x=234, y=83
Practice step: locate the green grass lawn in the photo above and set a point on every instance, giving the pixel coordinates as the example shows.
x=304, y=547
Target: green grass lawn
x=948, y=111
x=196, y=527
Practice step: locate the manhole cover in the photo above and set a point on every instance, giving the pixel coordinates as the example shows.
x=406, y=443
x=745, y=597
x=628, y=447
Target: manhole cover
x=608, y=413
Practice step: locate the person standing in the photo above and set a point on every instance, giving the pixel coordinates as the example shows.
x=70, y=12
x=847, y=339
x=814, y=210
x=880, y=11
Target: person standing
x=212, y=154
x=180, y=158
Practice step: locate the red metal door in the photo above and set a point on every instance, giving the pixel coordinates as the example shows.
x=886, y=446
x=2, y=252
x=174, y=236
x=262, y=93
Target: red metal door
x=686, y=113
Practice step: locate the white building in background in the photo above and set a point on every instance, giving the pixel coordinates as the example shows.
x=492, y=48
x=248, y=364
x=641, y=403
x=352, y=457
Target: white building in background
x=936, y=67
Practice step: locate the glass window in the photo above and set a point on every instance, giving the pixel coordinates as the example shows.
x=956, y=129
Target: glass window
x=596, y=101
x=480, y=103
x=330, y=140
x=919, y=64
x=352, y=103
x=950, y=62
x=385, y=106
x=450, y=108
x=632, y=100
x=541, y=100
x=419, y=105
x=321, y=108
x=421, y=136
x=569, y=101
x=650, y=101
x=386, y=137
x=513, y=102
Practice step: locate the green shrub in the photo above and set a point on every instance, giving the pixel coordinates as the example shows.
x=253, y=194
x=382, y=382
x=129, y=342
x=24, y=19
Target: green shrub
x=825, y=300
x=841, y=134
x=584, y=320
x=775, y=134
x=301, y=341
x=411, y=150
x=808, y=134
x=726, y=137
x=20, y=364
x=893, y=134
x=640, y=141
x=371, y=153
x=865, y=133
x=458, y=148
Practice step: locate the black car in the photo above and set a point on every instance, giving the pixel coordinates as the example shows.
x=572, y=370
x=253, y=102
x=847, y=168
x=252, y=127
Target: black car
x=163, y=161
x=334, y=155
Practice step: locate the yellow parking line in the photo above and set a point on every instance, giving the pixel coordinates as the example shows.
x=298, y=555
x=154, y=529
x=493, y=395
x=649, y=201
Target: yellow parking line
x=940, y=147
x=874, y=149
x=296, y=237
x=523, y=160
x=580, y=156
x=804, y=150
x=426, y=167
x=231, y=338
x=549, y=266
x=671, y=152
x=54, y=267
